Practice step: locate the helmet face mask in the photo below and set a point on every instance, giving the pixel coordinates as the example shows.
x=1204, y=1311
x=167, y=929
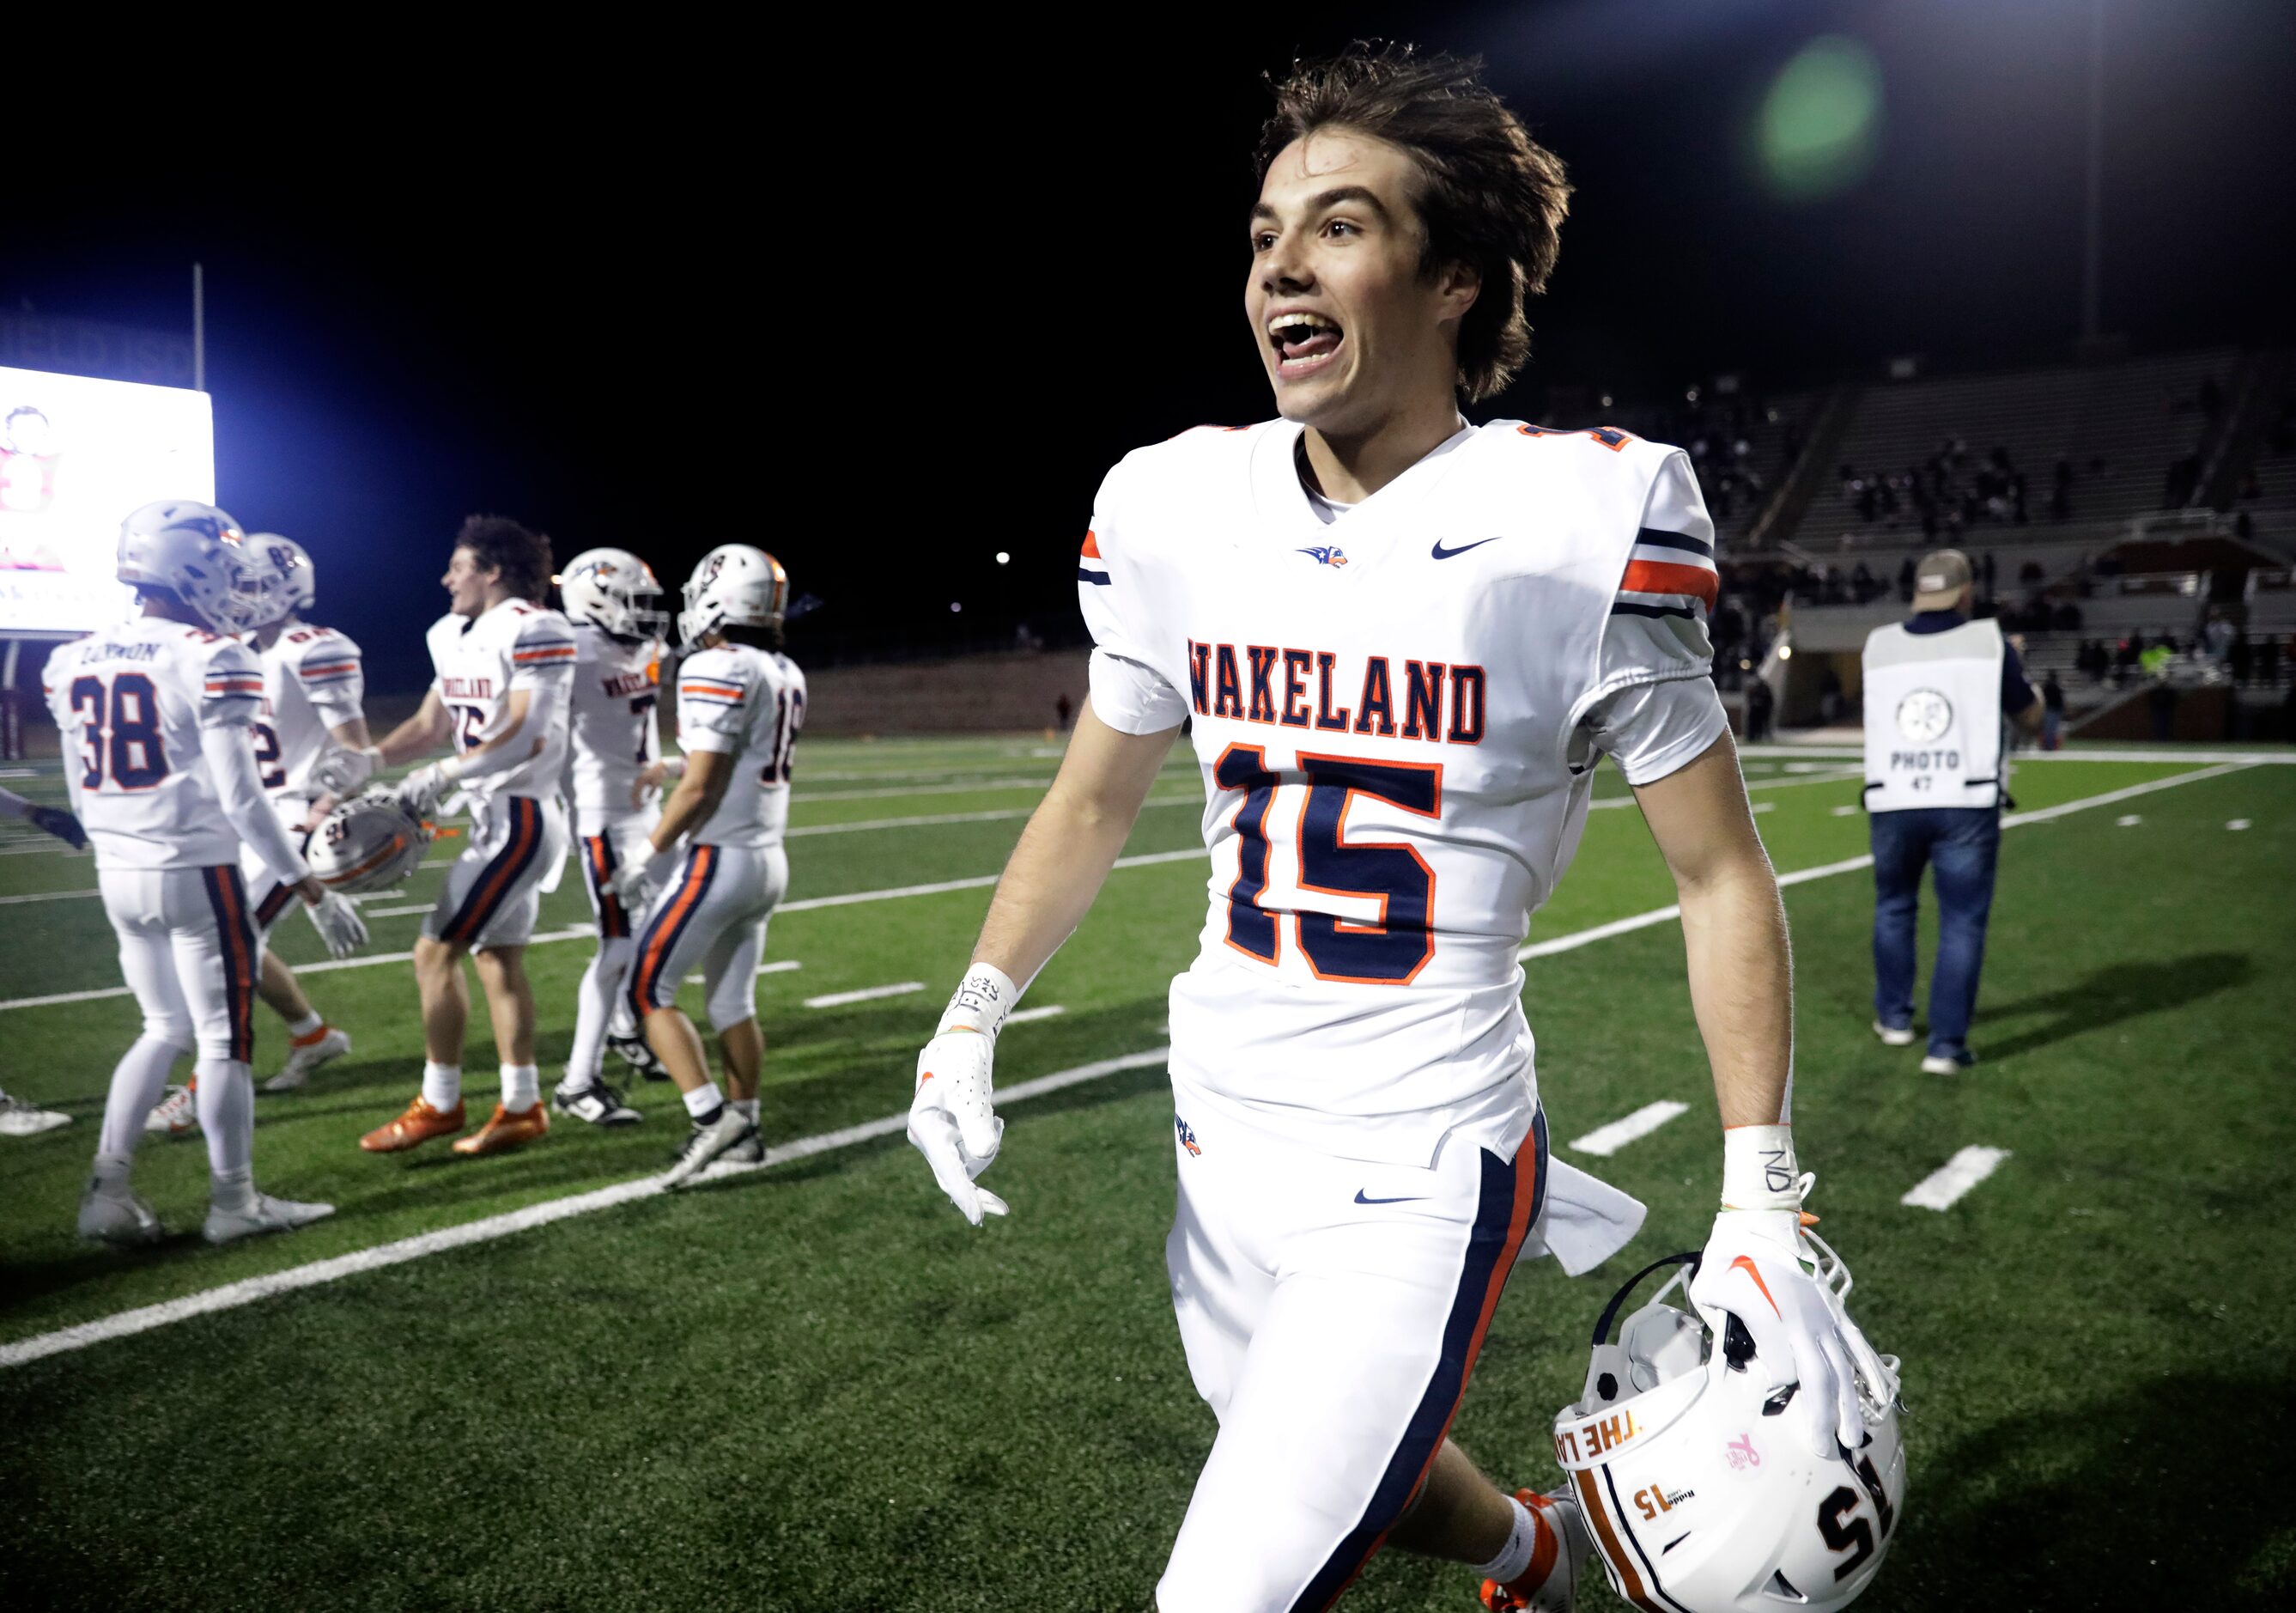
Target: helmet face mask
x=734, y=586
x=1700, y=1498
x=196, y=552
x=614, y=591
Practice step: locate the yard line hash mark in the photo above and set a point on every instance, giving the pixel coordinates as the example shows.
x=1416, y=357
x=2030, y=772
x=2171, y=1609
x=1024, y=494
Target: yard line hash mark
x=838, y=999
x=1945, y=1186
x=1603, y=1141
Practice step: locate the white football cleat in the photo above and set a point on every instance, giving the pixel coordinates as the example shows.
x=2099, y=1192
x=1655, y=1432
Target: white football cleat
x=1894, y=1036
x=118, y=1216
x=302, y=1061
x=265, y=1214
x=705, y=1143
x=21, y=1119
x=177, y=1115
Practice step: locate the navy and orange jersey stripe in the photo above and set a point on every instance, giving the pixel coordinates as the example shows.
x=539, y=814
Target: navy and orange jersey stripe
x=671, y=918
x=598, y=862
x=1665, y=572
x=341, y=669
x=501, y=875
x=713, y=691
x=227, y=897
x=1506, y=1208
x=1091, y=551
x=273, y=903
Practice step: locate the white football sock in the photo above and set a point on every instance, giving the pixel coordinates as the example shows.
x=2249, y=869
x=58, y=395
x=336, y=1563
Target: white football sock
x=704, y=1099
x=442, y=1086
x=1513, y=1558
x=310, y=1022
x=228, y=1114
x=138, y=1083
x=521, y=1086
x=232, y=1189
x=596, y=1003
x=111, y=1173
x=746, y=1108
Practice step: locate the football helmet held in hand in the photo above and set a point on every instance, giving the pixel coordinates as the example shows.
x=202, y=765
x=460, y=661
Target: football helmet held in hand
x=369, y=842
x=1702, y=1499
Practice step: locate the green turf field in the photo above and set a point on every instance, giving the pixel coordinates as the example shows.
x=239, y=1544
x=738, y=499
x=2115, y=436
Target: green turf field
x=813, y=1386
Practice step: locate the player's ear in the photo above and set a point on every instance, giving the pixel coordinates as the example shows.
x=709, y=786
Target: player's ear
x=1458, y=285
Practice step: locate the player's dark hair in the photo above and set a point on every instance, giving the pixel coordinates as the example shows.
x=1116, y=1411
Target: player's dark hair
x=1488, y=195
x=500, y=544
x=756, y=638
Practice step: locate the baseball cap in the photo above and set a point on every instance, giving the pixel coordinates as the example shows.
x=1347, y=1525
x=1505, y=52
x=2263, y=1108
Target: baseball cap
x=1939, y=580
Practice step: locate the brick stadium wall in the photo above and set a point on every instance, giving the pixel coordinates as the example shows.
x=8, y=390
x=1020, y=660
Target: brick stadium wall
x=978, y=694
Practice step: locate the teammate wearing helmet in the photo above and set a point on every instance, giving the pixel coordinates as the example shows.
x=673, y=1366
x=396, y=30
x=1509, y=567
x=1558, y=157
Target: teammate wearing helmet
x=505, y=667
x=163, y=775
x=716, y=856
x=1400, y=643
x=610, y=598
x=313, y=686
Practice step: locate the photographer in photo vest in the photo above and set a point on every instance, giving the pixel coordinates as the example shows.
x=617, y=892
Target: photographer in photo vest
x=1941, y=693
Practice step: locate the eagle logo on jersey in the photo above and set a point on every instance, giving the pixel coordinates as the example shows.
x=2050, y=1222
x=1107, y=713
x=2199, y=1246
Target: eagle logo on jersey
x=1327, y=554
x=1187, y=1137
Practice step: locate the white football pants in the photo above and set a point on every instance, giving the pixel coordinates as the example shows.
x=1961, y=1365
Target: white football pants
x=712, y=918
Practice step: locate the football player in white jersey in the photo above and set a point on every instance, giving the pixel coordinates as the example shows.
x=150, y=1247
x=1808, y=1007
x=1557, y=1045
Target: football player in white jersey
x=155, y=715
x=716, y=856
x=614, y=775
x=1404, y=643
x=505, y=667
x=314, y=684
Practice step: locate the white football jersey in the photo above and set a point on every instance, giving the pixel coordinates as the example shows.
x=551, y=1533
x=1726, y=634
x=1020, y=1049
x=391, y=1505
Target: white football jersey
x=1397, y=709
x=750, y=703
x=313, y=682
x=129, y=703
x=479, y=662
x=614, y=734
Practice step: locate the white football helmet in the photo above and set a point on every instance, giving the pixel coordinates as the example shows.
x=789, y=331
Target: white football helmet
x=734, y=584
x=614, y=590
x=1699, y=1501
x=285, y=585
x=370, y=843
x=195, y=550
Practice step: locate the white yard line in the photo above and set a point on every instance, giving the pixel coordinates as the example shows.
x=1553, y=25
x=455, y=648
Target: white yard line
x=838, y=999
x=1023, y=1016
x=125, y=1324
x=1606, y=1140
x=398, y=912
x=1829, y=775
x=996, y=815
x=48, y=896
x=1943, y=1187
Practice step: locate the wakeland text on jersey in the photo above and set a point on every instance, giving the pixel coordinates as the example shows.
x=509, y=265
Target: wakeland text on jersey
x=1270, y=685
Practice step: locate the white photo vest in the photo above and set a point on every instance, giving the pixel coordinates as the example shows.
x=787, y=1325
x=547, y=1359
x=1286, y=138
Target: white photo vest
x=1933, y=726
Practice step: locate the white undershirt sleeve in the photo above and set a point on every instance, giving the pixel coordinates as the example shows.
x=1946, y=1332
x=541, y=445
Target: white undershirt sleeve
x=231, y=763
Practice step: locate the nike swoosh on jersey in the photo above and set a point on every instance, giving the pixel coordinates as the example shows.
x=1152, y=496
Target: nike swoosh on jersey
x=1406, y=1199
x=1441, y=553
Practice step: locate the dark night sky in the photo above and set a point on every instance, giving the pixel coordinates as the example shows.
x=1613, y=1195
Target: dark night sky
x=887, y=302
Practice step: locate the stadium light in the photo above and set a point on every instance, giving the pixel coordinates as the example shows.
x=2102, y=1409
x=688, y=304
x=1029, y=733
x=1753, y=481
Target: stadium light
x=1002, y=558
x=955, y=606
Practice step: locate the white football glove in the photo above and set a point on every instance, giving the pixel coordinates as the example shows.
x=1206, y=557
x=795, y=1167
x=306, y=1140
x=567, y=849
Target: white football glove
x=1759, y=1268
x=345, y=772
x=420, y=790
x=953, y=1118
x=636, y=881
x=338, y=925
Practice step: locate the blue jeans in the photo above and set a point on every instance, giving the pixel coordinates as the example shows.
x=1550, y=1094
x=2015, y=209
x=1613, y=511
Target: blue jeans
x=1961, y=845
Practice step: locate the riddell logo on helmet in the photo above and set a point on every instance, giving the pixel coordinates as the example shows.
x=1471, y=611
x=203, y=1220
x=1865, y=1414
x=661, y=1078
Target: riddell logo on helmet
x=1599, y=1438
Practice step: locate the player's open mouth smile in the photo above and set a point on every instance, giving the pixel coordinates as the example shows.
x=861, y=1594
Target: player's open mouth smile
x=1304, y=341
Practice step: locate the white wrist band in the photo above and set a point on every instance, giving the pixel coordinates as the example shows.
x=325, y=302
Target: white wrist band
x=981, y=1002
x=1759, y=1171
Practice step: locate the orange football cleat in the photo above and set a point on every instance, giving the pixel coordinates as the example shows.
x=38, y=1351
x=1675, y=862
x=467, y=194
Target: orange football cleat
x=418, y=1125
x=1550, y=1584
x=505, y=1129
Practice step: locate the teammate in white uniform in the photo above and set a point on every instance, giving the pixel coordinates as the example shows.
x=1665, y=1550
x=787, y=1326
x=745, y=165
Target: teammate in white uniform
x=716, y=856
x=17, y=1117
x=614, y=778
x=1404, y=643
x=314, y=684
x=155, y=715
x=505, y=670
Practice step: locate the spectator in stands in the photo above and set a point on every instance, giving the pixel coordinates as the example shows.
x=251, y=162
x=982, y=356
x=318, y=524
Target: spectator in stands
x=2268, y=660
x=1065, y=709
x=2164, y=699
x=2217, y=637
x=2052, y=712
x=2067, y=618
x=1759, y=703
x=2241, y=658
x=1939, y=688
x=1905, y=581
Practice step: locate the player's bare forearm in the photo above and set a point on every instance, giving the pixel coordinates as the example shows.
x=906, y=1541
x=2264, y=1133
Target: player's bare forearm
x=698, y=794
x=1734, y=929
x=420, y=735
x=1069, y=844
